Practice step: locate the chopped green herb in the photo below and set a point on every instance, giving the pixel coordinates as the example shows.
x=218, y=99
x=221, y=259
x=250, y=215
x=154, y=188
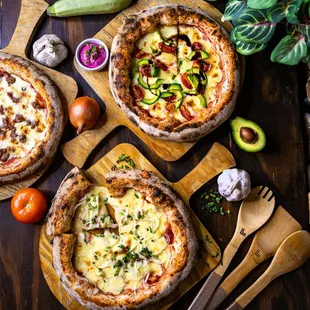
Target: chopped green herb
x=137, y=196
x=208, y=239
x=212, y=202
x=146, y=253
x=127, y=159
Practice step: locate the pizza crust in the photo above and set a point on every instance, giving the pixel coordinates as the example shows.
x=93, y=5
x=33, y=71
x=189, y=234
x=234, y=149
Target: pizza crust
x=147, y=21
x=40, y=157
x=118, y=182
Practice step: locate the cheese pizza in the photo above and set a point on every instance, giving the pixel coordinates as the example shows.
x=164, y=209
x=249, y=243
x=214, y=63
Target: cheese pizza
x=123, y=245
x=174, y=72
x=31, y=119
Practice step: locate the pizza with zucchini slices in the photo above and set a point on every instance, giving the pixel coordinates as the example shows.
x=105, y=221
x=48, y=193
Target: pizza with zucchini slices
x=174, y=72
x=31, y=119
x=123, y=245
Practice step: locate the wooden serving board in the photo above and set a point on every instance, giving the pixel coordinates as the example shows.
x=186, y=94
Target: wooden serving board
x=217, y=159
x=31, y=13
x=77, y=150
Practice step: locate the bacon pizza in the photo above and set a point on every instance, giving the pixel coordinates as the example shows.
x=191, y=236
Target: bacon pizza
x=31, y=119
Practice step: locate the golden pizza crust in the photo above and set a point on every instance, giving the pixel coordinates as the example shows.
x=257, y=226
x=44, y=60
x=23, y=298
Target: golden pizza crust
x=183, y=247
x=41, y=155
x=119, y=74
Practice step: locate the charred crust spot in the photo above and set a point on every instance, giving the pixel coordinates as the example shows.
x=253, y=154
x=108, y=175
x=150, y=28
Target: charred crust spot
x=145, y=174
x=109, y=181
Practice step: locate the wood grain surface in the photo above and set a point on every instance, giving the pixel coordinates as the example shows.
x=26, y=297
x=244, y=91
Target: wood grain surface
x=31, y=14
x=78, y=150
x=215, y=161
x=271, y=96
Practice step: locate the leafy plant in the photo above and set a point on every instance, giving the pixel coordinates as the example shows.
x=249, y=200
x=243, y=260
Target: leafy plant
x=255, y=22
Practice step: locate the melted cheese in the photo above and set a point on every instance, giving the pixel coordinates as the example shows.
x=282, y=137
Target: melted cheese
x=178, y=64
x=91, y=212
x=116, y=263
x=214, y=74
x=26, y=95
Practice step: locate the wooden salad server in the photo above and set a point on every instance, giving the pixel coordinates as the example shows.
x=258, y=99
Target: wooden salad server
x=254, y=212
x=264, y=245
x=293, y=252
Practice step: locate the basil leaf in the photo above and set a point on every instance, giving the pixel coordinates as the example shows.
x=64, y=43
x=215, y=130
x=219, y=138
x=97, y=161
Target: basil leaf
x=249, y=49
x=261, y=4
x=290, y=50
x=233, y=9
x=254, y=27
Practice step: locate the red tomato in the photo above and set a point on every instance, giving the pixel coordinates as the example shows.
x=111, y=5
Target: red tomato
x=202, y=65
x=160, y=64
x=146, y=70
x=185, y=113
x=196, y=46
x=170, y=49
x=171, y=98
x=185, y=81
x=139, y=53
x=28, y=205
x=138, y=92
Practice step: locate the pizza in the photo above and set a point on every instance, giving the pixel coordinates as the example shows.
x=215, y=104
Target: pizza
x=31, y=119
x=122, y=245
x=174, y=72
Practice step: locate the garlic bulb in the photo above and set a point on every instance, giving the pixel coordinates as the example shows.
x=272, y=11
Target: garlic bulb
x=234, y=184
x=49, y=50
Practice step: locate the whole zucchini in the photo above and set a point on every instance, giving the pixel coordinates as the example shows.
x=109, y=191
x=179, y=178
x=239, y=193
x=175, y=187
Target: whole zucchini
x=64, y=8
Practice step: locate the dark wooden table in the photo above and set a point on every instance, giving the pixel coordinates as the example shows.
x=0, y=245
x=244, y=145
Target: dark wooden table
x=272, y=95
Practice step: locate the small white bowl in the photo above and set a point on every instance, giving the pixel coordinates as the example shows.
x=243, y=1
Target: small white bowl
x=81, y=45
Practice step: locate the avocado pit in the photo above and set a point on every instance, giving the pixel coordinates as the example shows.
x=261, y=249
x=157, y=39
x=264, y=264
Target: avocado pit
x=248, y=135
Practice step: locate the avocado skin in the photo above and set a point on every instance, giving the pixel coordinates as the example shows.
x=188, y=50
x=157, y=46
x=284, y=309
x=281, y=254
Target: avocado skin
x=239, y=122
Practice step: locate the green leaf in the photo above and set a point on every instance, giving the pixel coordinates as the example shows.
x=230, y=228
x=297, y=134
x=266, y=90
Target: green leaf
x=290, y=50
x=281, y=9
x=261, y=4
x=306, y=59
x=254, y=27
x=233, y=38
x=299, y=13
x=305, y=29
x=249, y=49
x=233, y=9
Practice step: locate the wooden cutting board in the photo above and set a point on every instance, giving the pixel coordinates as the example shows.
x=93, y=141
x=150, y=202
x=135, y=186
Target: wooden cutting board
x=30, y=16
x=217, y=159
x=77, y=150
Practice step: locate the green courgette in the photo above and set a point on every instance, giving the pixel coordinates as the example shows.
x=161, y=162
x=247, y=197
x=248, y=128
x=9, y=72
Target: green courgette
x=203, y=55
x=150, y=101
x=145, y=85
x=64, y=8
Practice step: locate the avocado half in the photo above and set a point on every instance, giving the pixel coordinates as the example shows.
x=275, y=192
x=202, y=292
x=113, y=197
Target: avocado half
x=249, y=136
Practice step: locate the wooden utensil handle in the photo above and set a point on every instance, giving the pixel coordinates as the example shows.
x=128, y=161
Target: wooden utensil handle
x=244, y=299
x=30, y=13
x=214, y=279
x=78, y=149
x=205, y=292
x=217, y=159
x=233, y=279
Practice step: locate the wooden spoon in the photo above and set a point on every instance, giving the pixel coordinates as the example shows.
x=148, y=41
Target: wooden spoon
x=254, y=212
x=264, y=245
x=293, y=252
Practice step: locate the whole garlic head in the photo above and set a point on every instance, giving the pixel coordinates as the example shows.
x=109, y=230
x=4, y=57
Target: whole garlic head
x=49, y=50
x=234, y=184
